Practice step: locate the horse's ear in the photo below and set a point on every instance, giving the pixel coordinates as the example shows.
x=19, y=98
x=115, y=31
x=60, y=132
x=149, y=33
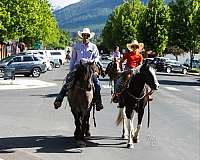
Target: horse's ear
x=81, y=63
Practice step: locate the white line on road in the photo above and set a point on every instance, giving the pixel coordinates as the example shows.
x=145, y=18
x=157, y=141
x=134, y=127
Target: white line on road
x=172, y=89
x=24, y=84
x=106, y=86
x=198, y=88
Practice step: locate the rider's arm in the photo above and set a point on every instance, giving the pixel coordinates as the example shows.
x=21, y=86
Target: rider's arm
x=73, y=60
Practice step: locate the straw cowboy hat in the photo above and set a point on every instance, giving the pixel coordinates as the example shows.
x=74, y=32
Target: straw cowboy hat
x=86, y=31
x=134, y=43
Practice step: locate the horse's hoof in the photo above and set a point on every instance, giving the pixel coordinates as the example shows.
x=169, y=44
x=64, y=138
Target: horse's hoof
x=130, y=146
x=135, y=140
x=81, y=144
x=87, y=134
x=124, y=137
x=57, y=104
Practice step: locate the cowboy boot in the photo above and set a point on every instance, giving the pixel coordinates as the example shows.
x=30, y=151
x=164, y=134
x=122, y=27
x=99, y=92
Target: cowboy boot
x=99, y=105
x=59, y=99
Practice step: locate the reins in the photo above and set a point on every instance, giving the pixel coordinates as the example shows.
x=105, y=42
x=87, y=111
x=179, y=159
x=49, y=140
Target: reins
x=138, y=101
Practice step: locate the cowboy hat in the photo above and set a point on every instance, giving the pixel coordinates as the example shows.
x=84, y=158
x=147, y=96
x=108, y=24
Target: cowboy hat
x=86, y=31
x=134, y=43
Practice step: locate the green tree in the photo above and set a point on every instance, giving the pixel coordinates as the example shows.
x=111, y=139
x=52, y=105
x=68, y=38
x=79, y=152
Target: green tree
x=154, y=26
x=122, y=25
x=29, y=21
x=184, y=28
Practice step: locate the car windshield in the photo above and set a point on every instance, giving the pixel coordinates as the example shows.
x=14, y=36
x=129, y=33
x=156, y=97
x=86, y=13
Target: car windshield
x=7, y=59
x=55, y=53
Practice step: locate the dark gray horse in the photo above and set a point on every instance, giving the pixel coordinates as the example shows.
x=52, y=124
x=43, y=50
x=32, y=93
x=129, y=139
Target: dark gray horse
x=80, y=98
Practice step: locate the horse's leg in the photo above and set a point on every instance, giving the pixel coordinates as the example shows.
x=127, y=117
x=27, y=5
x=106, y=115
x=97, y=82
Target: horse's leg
x=77, y=133
x=139, y=125
x=124, y=125
x=86, y=125
x=130, y=115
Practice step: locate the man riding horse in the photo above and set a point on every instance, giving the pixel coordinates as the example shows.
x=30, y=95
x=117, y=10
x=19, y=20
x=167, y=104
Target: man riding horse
x=84, y=52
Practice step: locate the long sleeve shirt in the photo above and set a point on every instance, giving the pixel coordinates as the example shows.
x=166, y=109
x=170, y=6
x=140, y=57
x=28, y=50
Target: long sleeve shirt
x=84, y=53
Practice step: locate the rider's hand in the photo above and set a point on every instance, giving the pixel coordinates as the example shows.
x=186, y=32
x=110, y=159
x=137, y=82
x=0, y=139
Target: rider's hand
x=90, y=61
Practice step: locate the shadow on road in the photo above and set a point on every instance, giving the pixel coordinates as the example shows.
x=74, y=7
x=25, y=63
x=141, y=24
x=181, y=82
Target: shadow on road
x=171, y=82
x=52, y=144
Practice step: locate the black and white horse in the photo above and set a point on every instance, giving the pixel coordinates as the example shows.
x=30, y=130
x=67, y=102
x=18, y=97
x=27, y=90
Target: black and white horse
x=135, y=98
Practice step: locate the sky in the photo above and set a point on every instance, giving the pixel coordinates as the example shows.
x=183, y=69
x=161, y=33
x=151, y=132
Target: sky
x=62, y=3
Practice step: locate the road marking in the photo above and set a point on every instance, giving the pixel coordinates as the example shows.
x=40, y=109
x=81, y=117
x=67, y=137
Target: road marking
x=198, y=88
x=1, y=159
x=24, y=84
x=172, y=89
x=106, y=86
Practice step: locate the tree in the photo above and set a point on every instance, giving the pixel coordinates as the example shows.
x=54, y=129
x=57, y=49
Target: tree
x=29, y=21
x=154, y=26
x=122, y=25
x=184, y=28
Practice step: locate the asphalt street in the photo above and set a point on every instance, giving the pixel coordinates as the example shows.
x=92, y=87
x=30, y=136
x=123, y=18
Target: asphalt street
x=31, y=129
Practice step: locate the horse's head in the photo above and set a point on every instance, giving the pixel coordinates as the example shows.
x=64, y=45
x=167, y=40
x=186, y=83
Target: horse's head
x=149, y=75
x=84, y=74
x=112, y=70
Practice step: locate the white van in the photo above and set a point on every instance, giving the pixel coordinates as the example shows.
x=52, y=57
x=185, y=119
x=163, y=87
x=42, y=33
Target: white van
x=42, y=55
x=57, y=55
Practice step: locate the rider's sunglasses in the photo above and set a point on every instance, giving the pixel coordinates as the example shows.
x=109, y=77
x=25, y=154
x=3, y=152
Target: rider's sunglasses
x=134, y=46
x=85, y=35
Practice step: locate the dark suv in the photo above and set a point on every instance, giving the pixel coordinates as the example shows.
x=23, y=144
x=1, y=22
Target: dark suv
x=24, y=64
x=159, y=63
x=175, y=66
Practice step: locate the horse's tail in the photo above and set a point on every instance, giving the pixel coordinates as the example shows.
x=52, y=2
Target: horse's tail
x=120, y=117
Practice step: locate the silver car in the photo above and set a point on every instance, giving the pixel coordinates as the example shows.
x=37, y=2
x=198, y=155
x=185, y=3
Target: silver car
x=24, y=64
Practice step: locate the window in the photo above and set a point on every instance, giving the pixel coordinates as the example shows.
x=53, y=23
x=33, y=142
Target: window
x=55, y=53
x=28, y=59
x=17, y=59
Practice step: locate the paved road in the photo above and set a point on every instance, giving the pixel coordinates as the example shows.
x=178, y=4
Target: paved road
x=30, y=129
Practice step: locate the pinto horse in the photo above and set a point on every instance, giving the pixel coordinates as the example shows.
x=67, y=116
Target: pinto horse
x=80, y=98
x=135, y=98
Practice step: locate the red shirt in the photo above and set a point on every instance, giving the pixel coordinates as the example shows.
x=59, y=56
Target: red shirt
x=133, y=59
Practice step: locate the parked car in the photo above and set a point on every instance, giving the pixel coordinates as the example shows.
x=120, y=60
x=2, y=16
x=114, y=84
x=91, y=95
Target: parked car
x=24, y=64
x=148, y=60
x=175, y=66
x=195, y=63
x=42, y=55
x=55, y=55
x=159, y=63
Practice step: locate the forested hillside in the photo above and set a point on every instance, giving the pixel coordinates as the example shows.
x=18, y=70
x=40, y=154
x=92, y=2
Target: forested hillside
x=92, y=13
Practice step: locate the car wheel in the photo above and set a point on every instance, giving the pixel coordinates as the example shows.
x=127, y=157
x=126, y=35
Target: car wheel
x=184, y=71
x=168, y=69
x=36, y=72
x=57, y=65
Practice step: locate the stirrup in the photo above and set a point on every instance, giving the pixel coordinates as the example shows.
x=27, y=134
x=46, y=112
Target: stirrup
x=115, y=99
x=99, y=107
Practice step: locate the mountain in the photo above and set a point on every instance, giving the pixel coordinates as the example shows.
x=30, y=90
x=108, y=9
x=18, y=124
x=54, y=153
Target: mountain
x=91, y=13
x=87, y=13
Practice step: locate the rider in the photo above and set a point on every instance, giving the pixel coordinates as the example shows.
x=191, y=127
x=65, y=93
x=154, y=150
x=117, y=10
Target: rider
x=133, y=59
x=85, y=52
x=116, y=57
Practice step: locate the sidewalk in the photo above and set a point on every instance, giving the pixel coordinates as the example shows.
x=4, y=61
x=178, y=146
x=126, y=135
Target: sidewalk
x=24, y=84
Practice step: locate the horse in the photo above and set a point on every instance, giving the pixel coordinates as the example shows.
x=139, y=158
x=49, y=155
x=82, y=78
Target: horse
x=135, y=98
x=112, y=70
x=80, y=98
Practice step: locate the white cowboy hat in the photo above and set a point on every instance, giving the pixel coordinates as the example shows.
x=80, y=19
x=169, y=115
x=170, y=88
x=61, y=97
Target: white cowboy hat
x=86, y=31
x=134, y=43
